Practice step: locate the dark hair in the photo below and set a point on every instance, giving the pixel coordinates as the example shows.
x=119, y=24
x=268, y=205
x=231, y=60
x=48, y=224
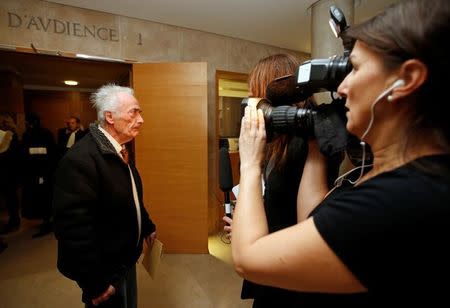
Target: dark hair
x=262, y=74
x=416, y=29
x=77, y=119
x=33, y=120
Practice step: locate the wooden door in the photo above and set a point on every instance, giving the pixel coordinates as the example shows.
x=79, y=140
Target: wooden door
x=171, y=151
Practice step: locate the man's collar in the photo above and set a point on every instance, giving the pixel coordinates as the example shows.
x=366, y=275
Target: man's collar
x=113, y=141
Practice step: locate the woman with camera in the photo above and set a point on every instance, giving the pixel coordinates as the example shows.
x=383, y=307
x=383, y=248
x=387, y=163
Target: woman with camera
x=283, y=162
x=384, y=234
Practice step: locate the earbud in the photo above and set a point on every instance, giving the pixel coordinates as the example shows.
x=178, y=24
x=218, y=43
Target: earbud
x=388, y=91
x=397, y=83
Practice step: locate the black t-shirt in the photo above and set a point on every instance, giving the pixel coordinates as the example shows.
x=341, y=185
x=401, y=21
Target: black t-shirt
x=280, y=204
x=392, y=230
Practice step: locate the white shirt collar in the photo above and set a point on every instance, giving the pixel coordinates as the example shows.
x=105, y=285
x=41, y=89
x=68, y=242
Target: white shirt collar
x=113, y=141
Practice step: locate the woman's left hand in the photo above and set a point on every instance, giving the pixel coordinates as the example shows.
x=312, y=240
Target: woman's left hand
x=252, y=139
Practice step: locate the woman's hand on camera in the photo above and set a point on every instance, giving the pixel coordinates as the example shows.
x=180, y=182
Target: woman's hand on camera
x=252, y=139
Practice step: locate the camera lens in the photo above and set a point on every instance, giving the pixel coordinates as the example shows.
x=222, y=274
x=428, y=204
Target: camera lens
x=295, y=120
x=287, y=120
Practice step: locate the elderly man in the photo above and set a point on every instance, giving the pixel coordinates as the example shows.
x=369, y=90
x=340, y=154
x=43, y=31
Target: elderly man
x=99, y=216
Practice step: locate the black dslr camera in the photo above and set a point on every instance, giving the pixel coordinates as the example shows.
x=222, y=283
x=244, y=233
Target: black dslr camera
x=313, y=76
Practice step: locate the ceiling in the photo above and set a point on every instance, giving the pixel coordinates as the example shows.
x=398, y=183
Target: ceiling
x=281, y=23
x=43, y=72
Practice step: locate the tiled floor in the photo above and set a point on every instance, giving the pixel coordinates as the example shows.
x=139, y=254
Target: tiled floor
x=29, y=278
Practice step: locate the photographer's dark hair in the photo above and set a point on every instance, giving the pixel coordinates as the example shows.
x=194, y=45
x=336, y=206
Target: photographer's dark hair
x=418, y=29
x=265, y=71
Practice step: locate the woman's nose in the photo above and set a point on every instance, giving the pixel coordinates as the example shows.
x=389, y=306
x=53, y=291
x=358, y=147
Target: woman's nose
x=342, y=89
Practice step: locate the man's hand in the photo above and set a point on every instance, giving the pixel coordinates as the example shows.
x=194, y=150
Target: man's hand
x=149, y=240
x=104, y=296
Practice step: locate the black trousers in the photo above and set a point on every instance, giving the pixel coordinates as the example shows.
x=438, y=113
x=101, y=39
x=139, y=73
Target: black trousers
x=37, y=197
x=125, y=296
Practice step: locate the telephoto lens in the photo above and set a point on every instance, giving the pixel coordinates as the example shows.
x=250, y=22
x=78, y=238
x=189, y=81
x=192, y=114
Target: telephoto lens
x=292, y=120
x=283, y=119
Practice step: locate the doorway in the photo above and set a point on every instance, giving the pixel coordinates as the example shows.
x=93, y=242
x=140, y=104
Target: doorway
x=32, y=82
x=231, y=87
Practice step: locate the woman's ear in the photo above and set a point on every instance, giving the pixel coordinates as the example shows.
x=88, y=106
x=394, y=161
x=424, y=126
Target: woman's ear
x=414, y=73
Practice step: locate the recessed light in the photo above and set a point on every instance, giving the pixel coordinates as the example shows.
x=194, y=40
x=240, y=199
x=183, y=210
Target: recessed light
x=71, y=82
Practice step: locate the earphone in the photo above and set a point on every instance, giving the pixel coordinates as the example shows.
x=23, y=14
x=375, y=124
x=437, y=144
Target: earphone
x=396, y=84
x=387, y=92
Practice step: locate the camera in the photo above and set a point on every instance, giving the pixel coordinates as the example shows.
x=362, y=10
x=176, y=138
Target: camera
x=313, y=76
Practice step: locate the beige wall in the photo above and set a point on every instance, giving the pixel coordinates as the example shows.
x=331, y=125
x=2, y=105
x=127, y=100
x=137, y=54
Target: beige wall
x=55, y=27
x=51, y=26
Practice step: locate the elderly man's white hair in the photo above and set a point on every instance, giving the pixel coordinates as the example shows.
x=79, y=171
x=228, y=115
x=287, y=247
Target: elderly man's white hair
x=106, y=99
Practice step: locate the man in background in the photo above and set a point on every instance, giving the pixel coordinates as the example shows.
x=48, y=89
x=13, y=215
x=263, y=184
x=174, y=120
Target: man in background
x=38, y=164
x=9, y=175
x=68, y=136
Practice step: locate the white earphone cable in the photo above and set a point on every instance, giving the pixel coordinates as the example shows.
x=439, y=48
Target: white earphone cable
x=386, y=92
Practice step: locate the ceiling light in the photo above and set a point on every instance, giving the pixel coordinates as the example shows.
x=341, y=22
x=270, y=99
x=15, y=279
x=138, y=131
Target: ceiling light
x=89, y=57
x=71, y=82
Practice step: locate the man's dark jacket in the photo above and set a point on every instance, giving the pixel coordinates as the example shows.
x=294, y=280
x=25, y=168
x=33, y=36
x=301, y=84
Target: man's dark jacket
x=63, y=137
x=95, y=216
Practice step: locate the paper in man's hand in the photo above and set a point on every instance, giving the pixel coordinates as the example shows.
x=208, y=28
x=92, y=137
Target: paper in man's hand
x=152, y=258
